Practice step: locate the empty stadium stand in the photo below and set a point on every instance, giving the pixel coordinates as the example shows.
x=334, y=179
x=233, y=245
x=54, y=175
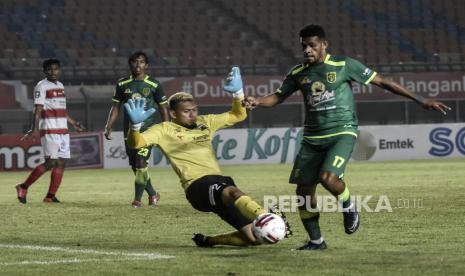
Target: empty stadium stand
x=94, y=37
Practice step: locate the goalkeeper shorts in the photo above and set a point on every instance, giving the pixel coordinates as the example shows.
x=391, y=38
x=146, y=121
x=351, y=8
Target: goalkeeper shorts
x=205, y=194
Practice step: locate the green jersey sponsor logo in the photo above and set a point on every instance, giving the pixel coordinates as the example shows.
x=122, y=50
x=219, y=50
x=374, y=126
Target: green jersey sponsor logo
x=320, y=95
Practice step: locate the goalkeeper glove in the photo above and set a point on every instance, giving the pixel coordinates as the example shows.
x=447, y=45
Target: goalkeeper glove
x=233, y=84
x=136, y=112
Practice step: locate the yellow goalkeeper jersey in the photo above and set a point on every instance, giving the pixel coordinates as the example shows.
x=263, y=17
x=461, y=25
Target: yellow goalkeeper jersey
x=190, y=151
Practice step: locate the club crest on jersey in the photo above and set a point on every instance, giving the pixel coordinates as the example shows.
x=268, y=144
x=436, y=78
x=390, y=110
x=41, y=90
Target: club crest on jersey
x=305, y=80
x=331, y=77
x=127, y=91
x=146, y=91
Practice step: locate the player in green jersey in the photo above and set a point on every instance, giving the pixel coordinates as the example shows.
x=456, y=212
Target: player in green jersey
x=330, y=128
x=138, y=85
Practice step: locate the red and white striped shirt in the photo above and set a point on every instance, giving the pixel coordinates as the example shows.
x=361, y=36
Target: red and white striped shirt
x=51, y=96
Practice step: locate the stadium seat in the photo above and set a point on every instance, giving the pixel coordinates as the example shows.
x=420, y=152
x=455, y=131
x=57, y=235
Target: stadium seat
x=387, y=31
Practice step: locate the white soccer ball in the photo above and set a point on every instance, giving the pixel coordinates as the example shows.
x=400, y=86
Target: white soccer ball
x=269, y=228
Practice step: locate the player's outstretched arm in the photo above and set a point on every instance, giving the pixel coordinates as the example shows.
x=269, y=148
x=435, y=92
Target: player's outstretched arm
x=34, y=122
x=112, y=116
x=266, y=101
x=137, y=114
x=398, y=89
x=234, y=86
x=135, y=140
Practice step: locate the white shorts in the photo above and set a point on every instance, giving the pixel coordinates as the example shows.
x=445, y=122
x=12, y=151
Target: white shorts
x=56, y=146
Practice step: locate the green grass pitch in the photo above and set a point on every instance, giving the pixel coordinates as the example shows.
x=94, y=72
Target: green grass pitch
x=94, y=231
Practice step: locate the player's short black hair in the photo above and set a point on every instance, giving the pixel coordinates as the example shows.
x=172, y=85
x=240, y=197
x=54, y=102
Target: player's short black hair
x=313, y=30
x=48, y=62
x=136, y=55
x=179, y=97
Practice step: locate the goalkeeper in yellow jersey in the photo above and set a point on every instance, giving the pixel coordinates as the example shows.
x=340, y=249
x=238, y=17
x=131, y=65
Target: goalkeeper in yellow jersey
x=187, y=143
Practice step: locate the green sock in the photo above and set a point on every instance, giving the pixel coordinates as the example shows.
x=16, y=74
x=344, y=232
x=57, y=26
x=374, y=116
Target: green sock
x=138, y=191
x=310, y=220
x=345, y=198
x=149, y=188
x=142, y=178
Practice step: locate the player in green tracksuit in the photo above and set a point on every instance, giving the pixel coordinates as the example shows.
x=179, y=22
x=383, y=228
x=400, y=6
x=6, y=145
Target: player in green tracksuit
x=138, y=85
x=330, y=127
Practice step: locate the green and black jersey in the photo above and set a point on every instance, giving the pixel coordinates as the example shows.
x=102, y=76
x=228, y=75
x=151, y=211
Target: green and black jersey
x=327, y=92
x=148, y=88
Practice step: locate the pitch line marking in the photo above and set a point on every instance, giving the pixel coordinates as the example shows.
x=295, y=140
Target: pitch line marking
x=72, y=261
x=122, y=255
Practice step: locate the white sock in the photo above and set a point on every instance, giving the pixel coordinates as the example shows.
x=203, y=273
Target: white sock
x=319, y=241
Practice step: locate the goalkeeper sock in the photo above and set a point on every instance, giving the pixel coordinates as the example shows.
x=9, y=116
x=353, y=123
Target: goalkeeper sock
x=142, y=178
x=234, y=238
x=345, y=198
x=310, y=220
x=149, y=188
x=248, y=207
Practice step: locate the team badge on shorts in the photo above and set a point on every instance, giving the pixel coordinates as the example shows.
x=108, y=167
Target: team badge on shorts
x=331, y=77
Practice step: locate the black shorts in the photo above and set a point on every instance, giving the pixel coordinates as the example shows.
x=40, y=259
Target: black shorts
x=204, y=195
x=135, y=154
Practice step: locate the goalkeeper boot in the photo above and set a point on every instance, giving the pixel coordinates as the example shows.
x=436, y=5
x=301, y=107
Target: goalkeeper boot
x=51, y=200
x=21, y=193
x=153, y=200
x=351, y=219
x=275, y=210
x=136, y=204
x=313, y=246
x=201, y=240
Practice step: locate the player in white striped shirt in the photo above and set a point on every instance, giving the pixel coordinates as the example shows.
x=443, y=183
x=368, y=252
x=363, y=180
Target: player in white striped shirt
x=50, y=121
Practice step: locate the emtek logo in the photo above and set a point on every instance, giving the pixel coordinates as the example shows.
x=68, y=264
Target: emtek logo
x=395, y=144
x=443, y=142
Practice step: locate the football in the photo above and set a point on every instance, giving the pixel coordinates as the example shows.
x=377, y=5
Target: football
x=269, y=228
